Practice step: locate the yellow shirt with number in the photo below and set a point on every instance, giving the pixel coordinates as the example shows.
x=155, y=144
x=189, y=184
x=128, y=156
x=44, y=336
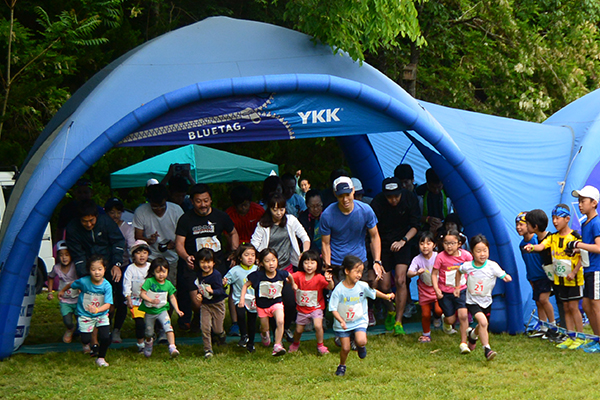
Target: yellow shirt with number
x=557, y=245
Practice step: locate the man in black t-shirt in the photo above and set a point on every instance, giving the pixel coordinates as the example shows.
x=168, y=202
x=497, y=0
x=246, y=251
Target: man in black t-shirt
x=397, y=211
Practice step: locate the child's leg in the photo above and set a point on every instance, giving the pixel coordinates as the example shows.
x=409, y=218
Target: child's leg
x=426, y=318
x=104, y=340
x=345, y=342
x=218, y=317
x=482, y=328
x=299, y=331
x=360, y=338
x=240, y=312
x=251, y=324
x=140, y=328
x=592, y=309
x=206, y=327
x=437, y=310
x=149, y=320
x=69, y=321
x=264, y=324
x=319, y=331
x=401, y=290
x=463, y=319
x=573, y=307
x=279, y=319
x=545, y=309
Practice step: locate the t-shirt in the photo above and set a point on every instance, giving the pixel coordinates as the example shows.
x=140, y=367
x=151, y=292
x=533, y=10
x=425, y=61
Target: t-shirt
x=481, y=281
x=351, y=304
x=71, y=295
x=424, y=285
x=563, y=264
x=133, y=279
x=295, y=205
x=348, y=232
x=395, y=221
x=159, y=291
x=95, y=295
x=533, y=261
x=245, y=224
x=215, y=282
x=590, y=230
x=309, y=296
x=202, y=231
x=279, y=239
x=146, y=220
x=236, y=277
x=268, y=290
x=447, y=266
x=128, y=233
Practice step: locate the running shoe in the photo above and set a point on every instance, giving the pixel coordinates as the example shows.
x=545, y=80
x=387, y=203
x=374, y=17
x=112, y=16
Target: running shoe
x=294, y=347
x=86, y=349
x=68, y=336
x=94, y=350
x=489, y=354
x=341, y=370
x=243, y=341
x=372, y=320
x=448, y=329
x=593, y=348
x=208, y=354
x=437, y=322
x=250, y=348
x=173, y=352
x=101, y=362
x=535, y=334
x=464, y=348
x=337, y=341
x=577, y=343
x=565, y=345
x=148, y=348
x=471, y=338
x=424, y=339
x=588, y=343
x=265, y=338
x=234, y=330
x=322, y=349
x=399, y=329
x=116, y=336
x=140, y=347
x=288, y=335
x=362, y=351
x=278, y=350
x=390, y=320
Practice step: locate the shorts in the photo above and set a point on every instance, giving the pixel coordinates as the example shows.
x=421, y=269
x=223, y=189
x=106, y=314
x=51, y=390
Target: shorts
x=541, y=286
x=163, y=319
x=342, y=334
x=87, y=324
x=390, y=259
x=450, y=304
x=136, y=313
x=269, y=312
x=475, y=308
x=569, y=293
x=591, y=290
x=67, y=308
x=304, y=319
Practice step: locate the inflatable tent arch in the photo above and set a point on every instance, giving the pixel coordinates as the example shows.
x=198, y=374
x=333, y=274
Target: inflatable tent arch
x=54, y=167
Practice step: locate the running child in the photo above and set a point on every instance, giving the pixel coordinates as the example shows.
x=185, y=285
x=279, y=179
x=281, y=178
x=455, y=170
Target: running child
x=540, y=282
x=210, y=298
x=93, y=304
x=422, y=266
x=348, y=304
x=443, y=279
x=133, y=278
x=481, y=278
x=269, y=281
x=245, y=259
x=310, y=301
x=65, y=270
x=156, y=290
x=568, y=274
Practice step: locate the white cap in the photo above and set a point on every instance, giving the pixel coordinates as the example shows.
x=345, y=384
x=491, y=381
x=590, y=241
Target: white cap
x=587, y=191
x=358, y=188
x=152, y=182
x=342, y=185
x=61, y=245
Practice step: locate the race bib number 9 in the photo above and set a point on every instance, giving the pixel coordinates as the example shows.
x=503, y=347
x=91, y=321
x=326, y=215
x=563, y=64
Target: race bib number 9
x=208, y=243
x=562, y=268
x=161, y=296
x=350, y=313
x=270, y=290
x=92, y=299
x=307, y=298
x=481, y=287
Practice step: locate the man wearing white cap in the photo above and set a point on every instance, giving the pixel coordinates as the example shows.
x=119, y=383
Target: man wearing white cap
x=590, y=232
x=344, y=226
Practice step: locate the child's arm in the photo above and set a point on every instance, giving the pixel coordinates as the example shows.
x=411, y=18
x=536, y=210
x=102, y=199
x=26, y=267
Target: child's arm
x=387, y=296
x=62, y=292
x=242, y=302
x=507, y=278
x=337, y=316
x=290, y=280
x=144, y=296
x=329, y=279
x=435, y=274
x=173, y=300
x=50, y=285
x=574, y=271
x=457, y=283
x=591, y=247
x=411, y=274
x=533, y=247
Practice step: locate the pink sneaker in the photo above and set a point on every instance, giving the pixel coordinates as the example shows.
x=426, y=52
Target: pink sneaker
x=321, y=349
x=265, y=338
x=278, y=350
x=294, y=347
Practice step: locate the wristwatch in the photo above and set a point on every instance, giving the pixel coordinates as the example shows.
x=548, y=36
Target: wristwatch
x=405, y=239
x=118, y=264
x=377, y=262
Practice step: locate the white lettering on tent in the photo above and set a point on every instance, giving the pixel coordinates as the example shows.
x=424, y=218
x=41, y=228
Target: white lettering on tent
x=316, y=116
x=215, y=130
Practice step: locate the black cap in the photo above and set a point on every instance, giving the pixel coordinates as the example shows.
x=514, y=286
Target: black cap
x=391, y=186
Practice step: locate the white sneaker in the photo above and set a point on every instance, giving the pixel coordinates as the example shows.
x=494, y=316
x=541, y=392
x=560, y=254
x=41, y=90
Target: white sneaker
x=116, y=336
x=448, y=329
x=464, y=348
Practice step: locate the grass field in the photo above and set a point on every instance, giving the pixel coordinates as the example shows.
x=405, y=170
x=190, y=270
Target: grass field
x=396, y=367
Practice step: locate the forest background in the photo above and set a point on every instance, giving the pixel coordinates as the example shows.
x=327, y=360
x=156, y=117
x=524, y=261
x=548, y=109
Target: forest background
x=523, y=59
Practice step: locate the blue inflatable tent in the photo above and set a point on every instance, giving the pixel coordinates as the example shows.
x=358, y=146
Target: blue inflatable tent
x=226, y=80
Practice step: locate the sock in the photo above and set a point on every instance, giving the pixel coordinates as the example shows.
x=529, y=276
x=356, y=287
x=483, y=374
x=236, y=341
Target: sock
x=140, y=345
x=428, y=334
x=172, y=346
x=487, y=347
x=298, y=344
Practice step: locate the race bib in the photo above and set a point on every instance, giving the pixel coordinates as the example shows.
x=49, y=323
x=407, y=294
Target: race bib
x=451, y=278
x=350, y=313
x=204, y=292
x=208, y=243
x=161, y=296
x=481, y=287
x=549, y=270
x=136, y=287
x=425, y=278
x=562, y=268
x=136, y=300
x=92, y=299
x=250, y=302
x=270, y=290
x=71, y=294
x=307, y=298
x=585, y=258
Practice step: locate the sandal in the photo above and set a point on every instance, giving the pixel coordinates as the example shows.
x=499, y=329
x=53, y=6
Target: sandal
x=424, y=339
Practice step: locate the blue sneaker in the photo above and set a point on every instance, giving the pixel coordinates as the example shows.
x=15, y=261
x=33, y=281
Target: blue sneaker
x=362, y=351
x=588, y=343
x=594, y=348
x=234, y=330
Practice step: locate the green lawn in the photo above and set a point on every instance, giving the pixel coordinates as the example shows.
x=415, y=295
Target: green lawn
x=396, y=367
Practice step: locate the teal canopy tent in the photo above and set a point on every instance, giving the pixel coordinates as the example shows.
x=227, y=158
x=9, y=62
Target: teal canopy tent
x=207, y=166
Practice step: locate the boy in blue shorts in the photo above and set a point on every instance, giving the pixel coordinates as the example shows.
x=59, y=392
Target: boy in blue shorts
x=590, y=231
x=540, y=282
